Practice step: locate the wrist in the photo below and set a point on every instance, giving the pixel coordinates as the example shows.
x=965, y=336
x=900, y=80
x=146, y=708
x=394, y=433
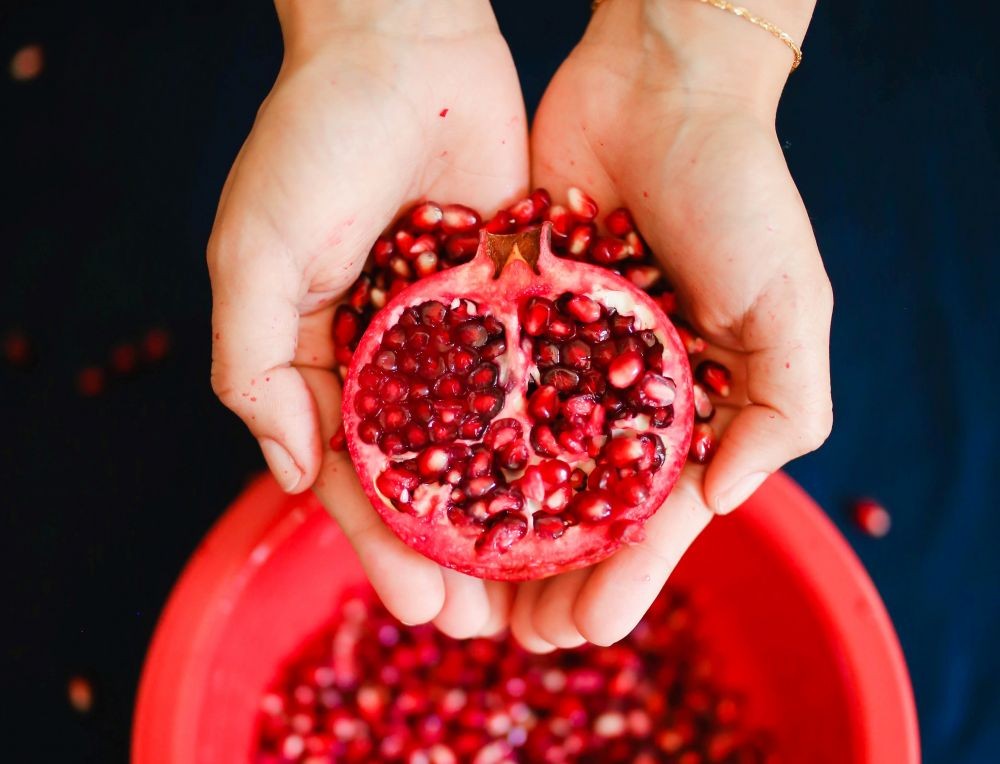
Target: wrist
x=710, y=52
x=311, y=20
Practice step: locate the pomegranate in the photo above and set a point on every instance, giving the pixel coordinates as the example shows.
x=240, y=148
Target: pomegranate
x=518, y=415
x=367, y=689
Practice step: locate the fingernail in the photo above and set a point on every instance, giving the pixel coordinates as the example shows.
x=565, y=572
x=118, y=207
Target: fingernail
x=740, y=492
x=281, y=464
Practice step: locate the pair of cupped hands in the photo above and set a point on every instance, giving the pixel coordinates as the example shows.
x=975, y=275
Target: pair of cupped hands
x=664, y=107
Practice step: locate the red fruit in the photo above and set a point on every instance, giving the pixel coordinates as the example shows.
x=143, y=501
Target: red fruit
x=527, y=316
x=871, y=517
x=155, y=345
x=703, y=443
x=715, y=377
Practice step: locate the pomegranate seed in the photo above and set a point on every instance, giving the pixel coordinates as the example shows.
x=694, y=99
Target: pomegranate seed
x=549, y=526
x=619, y=222
x=643, y=276
x=622, y=452
x=703, y=408
x=584, y=309
x=635, y=245
x=624, y=370
x=90, y=381
x=591, y=506
x=426, y=264
x=397, y=484
x=426, y=217
x=433, y=461
x=580, y=205
x=123, y=358
x=502, y=222
x=155, y=345
x=378, y=298
x=871, y=517
x=714, y=376
x=656, y=390
x=562, y=221
x=457, y=218
x=536, y=316
x=554, y=472
x=460, y=248
x=346, y=326
x=81, y=694
x=523, y=211
x=702, y=443
x=607, y=250
x=503, y=531
x=693, y=344
x=543, y=440
x=383, y=250
x=580, y=239
x=513, y=456
x=424, y=243
x=338, y=441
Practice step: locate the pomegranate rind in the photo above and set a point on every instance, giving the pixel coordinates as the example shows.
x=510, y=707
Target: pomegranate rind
x=584, y=544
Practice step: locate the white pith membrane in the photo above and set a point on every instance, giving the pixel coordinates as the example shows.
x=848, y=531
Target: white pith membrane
x=422, y=519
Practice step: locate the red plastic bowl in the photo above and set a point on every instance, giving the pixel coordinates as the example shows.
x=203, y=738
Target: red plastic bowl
x=782, y=599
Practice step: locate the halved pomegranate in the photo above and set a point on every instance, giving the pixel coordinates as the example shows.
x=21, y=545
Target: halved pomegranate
x=519, y=415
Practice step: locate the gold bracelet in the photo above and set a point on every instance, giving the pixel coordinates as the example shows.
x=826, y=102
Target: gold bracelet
x=746, y=15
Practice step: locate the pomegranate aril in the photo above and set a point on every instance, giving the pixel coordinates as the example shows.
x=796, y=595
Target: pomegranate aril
x=433, y=462
x=580, y=240
x=634, y=490
x=383, y=250
x=425, y=264
x=494, y=349
x=584, y=309
x=592, y=506
x=549, y=526
x=543, y=440
x=596, y=331
x=871, y=517
x=523, y=211
x=397, y=484
x=502, y=222
x=460, y=248
x=346, y=326
x=623, y=451
x=543, y=404
x=426, y=216
x=457, y=218
x=502, y=432
x=560, y=329
x=702, y=443
x=554, y=472
x=621, y=325
x=703, y=408
x=619, y=222
x=502, y=532
x=338, y=441
x=655, y=390
x=513, y=456
x=472, y=334
x=369, y=431
x=580, y=205
x=472, y=427
x=487, y=403
x=535, y=316
x=643, y=276
x=608, y=250
x=715, y=377
x=625, y=369
x=562, y=379
x=483, y=376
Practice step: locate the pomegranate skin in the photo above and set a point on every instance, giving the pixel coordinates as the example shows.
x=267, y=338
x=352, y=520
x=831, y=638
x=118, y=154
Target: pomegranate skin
x=507, y=270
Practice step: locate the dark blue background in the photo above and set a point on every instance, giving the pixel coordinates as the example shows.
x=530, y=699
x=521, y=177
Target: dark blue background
x=111, y=163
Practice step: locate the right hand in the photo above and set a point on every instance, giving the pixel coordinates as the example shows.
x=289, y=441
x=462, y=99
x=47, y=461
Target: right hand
x=354, y=129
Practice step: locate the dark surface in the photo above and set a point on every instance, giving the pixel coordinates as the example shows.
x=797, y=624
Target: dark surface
x=111, y=163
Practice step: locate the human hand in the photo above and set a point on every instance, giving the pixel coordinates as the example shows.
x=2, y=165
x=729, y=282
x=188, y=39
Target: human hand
x=377, y=104
x=667, y=107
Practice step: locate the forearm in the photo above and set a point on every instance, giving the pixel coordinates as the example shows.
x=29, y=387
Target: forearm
x=304, y=19
x=711, y=50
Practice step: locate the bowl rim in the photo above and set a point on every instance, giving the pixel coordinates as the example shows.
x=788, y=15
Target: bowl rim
x=189, y=626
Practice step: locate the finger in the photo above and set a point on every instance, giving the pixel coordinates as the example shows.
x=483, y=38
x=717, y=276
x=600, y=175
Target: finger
x=620, y=589
x=255, y=326
x=501, y=597
x=410, y=585
x=466, y=608
x=552, y=616
x=788, y=385
x=522, y=621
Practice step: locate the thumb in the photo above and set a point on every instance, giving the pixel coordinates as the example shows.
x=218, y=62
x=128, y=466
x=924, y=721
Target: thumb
x=255, y=326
